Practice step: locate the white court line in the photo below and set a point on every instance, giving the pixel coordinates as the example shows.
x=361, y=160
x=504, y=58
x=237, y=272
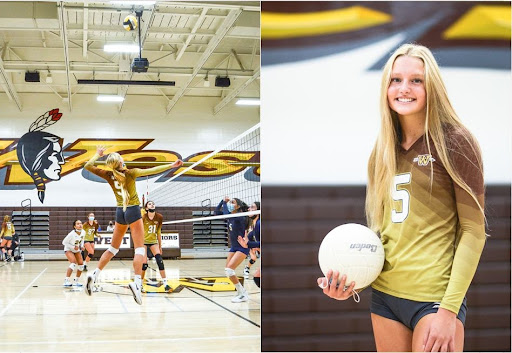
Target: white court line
x=130, y=340
x=22, y=292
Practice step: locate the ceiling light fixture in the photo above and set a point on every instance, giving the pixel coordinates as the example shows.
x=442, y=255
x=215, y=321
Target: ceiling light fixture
x=248, y=101
x=121, y=48
x=109, y=98
x=140, y=2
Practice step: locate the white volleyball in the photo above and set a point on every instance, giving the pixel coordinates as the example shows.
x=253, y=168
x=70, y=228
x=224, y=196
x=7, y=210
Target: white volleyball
x=354, y=250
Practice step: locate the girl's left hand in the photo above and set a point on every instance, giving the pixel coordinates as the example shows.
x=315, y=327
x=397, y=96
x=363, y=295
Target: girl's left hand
x=440, y=336
x=100, y=150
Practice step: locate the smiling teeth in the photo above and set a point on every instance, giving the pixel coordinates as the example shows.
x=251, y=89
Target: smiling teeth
x=405, y=100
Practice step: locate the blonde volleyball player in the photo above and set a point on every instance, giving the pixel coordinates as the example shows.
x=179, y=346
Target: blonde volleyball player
x=237, y=253
x=73, y=245
x=6, y=235
x=153, y=240
x=91, y=232
x=122, y=182
x=425, y=197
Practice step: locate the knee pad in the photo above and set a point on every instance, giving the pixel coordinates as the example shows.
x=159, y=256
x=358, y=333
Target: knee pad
x=90, y=255
x=229, y=272
x=72, y=266
x=144, y=267
x=140, y=251
x=80, y=267
x=251, y=261
x=113, y=250
x=160, y=262
x=257, y=281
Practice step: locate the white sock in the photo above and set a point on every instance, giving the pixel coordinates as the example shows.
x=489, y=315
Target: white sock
x=67, y=279
x=96, y=274
x=138, y=280
x=165, y=281
x=239, y=288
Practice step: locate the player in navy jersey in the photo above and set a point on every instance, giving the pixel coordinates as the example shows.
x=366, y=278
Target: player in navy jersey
x=237, y=254
x=253, y=252
x=252, y=239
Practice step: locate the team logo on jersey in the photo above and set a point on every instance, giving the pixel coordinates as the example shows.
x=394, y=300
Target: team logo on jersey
x=424, y=159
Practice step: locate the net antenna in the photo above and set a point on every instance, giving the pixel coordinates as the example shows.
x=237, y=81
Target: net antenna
x=231, y=170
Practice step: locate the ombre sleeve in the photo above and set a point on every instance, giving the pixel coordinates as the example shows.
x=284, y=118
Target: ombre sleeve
x=466, y=159
x=137, y=172
x=89, y=166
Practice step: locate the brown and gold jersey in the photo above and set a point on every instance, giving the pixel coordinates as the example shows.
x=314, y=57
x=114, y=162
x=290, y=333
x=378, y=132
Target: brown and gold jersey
x=433, y=231
x=90, y=231
x=152, y=228
x=7, y=229
x=131, y=176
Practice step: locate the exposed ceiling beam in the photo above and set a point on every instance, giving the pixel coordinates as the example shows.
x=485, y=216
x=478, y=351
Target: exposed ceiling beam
x=9, y=87
x=191, y=35
x=113, y=68
x=179, y=4
x=234, y=6
x=214, y=42
x=145, y=51
x=86, y=26
x=238, y=59
x=64, y=35
x=117, y=30
x=235, y=92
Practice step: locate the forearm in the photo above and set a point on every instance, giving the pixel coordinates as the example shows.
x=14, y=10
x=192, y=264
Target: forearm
x=465, y=263
x=150, y=171
x=90, y=164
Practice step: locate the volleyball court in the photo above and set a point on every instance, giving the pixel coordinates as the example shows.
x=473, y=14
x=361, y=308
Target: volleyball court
x=197, y=315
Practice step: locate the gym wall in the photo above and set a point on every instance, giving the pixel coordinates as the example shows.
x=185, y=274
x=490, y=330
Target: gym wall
x=189, y=129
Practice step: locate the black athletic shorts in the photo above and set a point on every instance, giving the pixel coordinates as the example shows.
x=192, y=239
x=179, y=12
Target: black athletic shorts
x=239, y=248
x=88, y=241
x=129, y=216
x=408, y=312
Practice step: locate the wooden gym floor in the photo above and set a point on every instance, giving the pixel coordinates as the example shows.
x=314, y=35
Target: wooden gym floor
x=38, y=314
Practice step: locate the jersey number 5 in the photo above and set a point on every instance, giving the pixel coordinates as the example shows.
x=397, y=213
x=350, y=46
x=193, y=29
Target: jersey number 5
x=401, y=195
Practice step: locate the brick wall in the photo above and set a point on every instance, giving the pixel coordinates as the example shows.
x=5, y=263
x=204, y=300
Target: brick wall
x=297, y=316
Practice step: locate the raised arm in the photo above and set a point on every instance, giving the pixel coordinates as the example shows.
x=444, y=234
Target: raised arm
x=89, y=166
x=137, y=172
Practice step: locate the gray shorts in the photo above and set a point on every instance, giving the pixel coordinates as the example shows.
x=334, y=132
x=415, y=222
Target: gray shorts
x=129, y=216
x=408, y=312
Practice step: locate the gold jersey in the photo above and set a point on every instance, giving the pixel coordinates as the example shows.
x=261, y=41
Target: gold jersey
x=130, y=176
x=152, y=228
x=90, y=231
x=433, y=231
x=7, y=229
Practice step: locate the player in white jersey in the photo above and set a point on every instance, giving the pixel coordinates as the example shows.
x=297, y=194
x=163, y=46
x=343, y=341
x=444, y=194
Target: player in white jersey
x=73, y=245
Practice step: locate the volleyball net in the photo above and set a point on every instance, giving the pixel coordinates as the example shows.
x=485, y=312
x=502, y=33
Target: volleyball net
x=196, y=188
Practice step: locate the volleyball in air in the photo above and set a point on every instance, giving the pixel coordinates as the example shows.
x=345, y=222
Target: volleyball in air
x=130, y=23
x=354, y=250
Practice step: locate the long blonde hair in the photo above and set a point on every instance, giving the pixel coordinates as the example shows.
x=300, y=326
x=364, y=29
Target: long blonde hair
x=4, y=223
x=440, y=114
x=114, y=163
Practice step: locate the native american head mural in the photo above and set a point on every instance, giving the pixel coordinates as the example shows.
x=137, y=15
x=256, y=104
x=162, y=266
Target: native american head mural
x=40, y=153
